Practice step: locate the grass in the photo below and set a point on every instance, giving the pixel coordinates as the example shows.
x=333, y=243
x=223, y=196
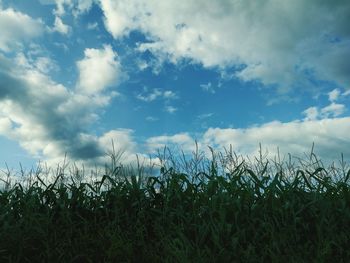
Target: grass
x=225, y=208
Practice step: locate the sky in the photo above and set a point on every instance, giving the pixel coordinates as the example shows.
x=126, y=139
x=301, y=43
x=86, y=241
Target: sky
x=77, y=75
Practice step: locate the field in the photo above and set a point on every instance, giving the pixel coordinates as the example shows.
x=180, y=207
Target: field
x=225, y=208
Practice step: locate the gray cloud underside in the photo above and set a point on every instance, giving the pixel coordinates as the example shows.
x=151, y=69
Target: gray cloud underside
x=36, y=108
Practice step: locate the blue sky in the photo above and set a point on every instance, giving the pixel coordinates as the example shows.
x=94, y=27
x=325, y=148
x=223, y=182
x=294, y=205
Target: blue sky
x=77, y=74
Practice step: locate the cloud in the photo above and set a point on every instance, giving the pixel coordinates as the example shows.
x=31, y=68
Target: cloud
x=60, y=27
x=92, y=26
x=151, y=96
x=276, y=43
x=205, y=116
x=170, y=109
x=333, y=95
x=155, y=94
x=293, y=137
x=208, y=88
x=123, y=142
x=77, y=7
x=119, y=16
x=168, y=94
x=17, y=28
x=333, y=110
x=311, y=114
x=99, y=69
x=182, y=140
x=50, y=120
x=83, y=6
x=151, y=118
x=45, y=65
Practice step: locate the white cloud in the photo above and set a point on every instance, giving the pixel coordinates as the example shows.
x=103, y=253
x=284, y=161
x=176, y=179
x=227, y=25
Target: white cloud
x=60, y=27
x=142, y=65
x=36, y=62
x=170, y=109
x=296, y=138
x=17, y=27
x=92, y=26
x=151, y=96
x=151, y=118
x=205, y=116
x=77, y=7
x=48, y=119
x=5, y=125
x=45, y=64
x=60, y=7
x=271, y=41
x=123, y=142
x=155, y=94
x=333, y=95
x=99, y=69
x=333, y=110
x=168, y=94
x=311, y=114
x=83, y=6
x=293, y=137
x=208, y=88
x=118, y=16
x=182, y=140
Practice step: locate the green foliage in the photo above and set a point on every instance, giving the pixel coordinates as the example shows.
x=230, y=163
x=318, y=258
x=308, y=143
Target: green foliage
x=196, y=210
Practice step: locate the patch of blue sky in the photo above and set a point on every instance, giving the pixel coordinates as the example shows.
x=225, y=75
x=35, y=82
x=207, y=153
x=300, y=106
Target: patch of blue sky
x=13, y=156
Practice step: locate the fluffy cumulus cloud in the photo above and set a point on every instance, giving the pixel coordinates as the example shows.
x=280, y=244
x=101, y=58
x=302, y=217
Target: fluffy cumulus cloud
x=182, y=140
x=50, y=120
x=123, y=142
x=99, y=69
x=332, y=110
x=16, y=28
x=253, y=37
x=276, y=137
x=293, y=137
x=60, y=27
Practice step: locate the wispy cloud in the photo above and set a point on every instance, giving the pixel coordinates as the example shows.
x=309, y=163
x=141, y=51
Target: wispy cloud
x=92, y=26
x=168, y=94
x=155, y=94
x=334, y=95
x=205, y=116
x=170, y=109
x=332, y=110
x=208, y=88
x=151, y=118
